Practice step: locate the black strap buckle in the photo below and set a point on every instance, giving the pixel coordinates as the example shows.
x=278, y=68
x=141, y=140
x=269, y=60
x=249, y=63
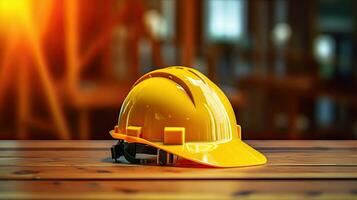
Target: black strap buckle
x=117, y=151
x=165, y=158
x=130, y=150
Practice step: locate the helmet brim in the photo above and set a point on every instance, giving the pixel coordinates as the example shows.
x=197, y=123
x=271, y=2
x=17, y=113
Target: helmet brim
x=233, y=153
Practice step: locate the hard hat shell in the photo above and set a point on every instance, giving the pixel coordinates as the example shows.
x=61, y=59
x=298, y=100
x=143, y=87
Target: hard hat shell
x=179, y=110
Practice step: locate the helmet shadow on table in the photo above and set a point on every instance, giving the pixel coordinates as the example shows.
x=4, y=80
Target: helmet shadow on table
x=181, y=164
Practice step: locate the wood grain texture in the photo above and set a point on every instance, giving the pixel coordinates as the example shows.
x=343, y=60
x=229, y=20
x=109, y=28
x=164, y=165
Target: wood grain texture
x=178, y=189
x=83, y=170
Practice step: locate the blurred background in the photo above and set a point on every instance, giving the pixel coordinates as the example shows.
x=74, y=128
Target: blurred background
x=288, y=67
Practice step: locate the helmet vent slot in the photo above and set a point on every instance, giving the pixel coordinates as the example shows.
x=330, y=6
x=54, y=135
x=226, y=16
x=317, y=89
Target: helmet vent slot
x=171, y=77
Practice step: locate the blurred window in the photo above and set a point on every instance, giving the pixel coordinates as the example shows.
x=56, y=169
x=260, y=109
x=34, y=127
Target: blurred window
x=225, y=19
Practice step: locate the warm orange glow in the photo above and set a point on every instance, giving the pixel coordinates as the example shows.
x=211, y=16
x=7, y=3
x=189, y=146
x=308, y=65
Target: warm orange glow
x=13, y=8
x=18, y=23
x=13, y=13
x=47, y=82
x=25, y=25
x=71, y=43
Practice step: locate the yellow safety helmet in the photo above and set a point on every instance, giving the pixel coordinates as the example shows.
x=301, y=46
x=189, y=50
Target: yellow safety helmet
x=179, y=112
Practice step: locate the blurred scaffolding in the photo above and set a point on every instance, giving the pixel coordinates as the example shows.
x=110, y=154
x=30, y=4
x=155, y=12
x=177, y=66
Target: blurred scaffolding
x=287, y=66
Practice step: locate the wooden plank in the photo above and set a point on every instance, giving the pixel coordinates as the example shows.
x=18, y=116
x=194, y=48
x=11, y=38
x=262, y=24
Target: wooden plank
x=89, y=157
x=304, y=162
x=55, y=144
x=187, y=196
x=104, y=144
x=314, y=144
x=126, y=172
x=83, y=170
x=244, y=189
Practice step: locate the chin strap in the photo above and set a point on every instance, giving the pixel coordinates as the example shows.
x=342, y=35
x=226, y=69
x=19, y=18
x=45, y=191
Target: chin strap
x=130, y=150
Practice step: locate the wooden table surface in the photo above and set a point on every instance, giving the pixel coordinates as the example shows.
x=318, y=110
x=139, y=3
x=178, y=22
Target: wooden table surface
x=83, y=170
